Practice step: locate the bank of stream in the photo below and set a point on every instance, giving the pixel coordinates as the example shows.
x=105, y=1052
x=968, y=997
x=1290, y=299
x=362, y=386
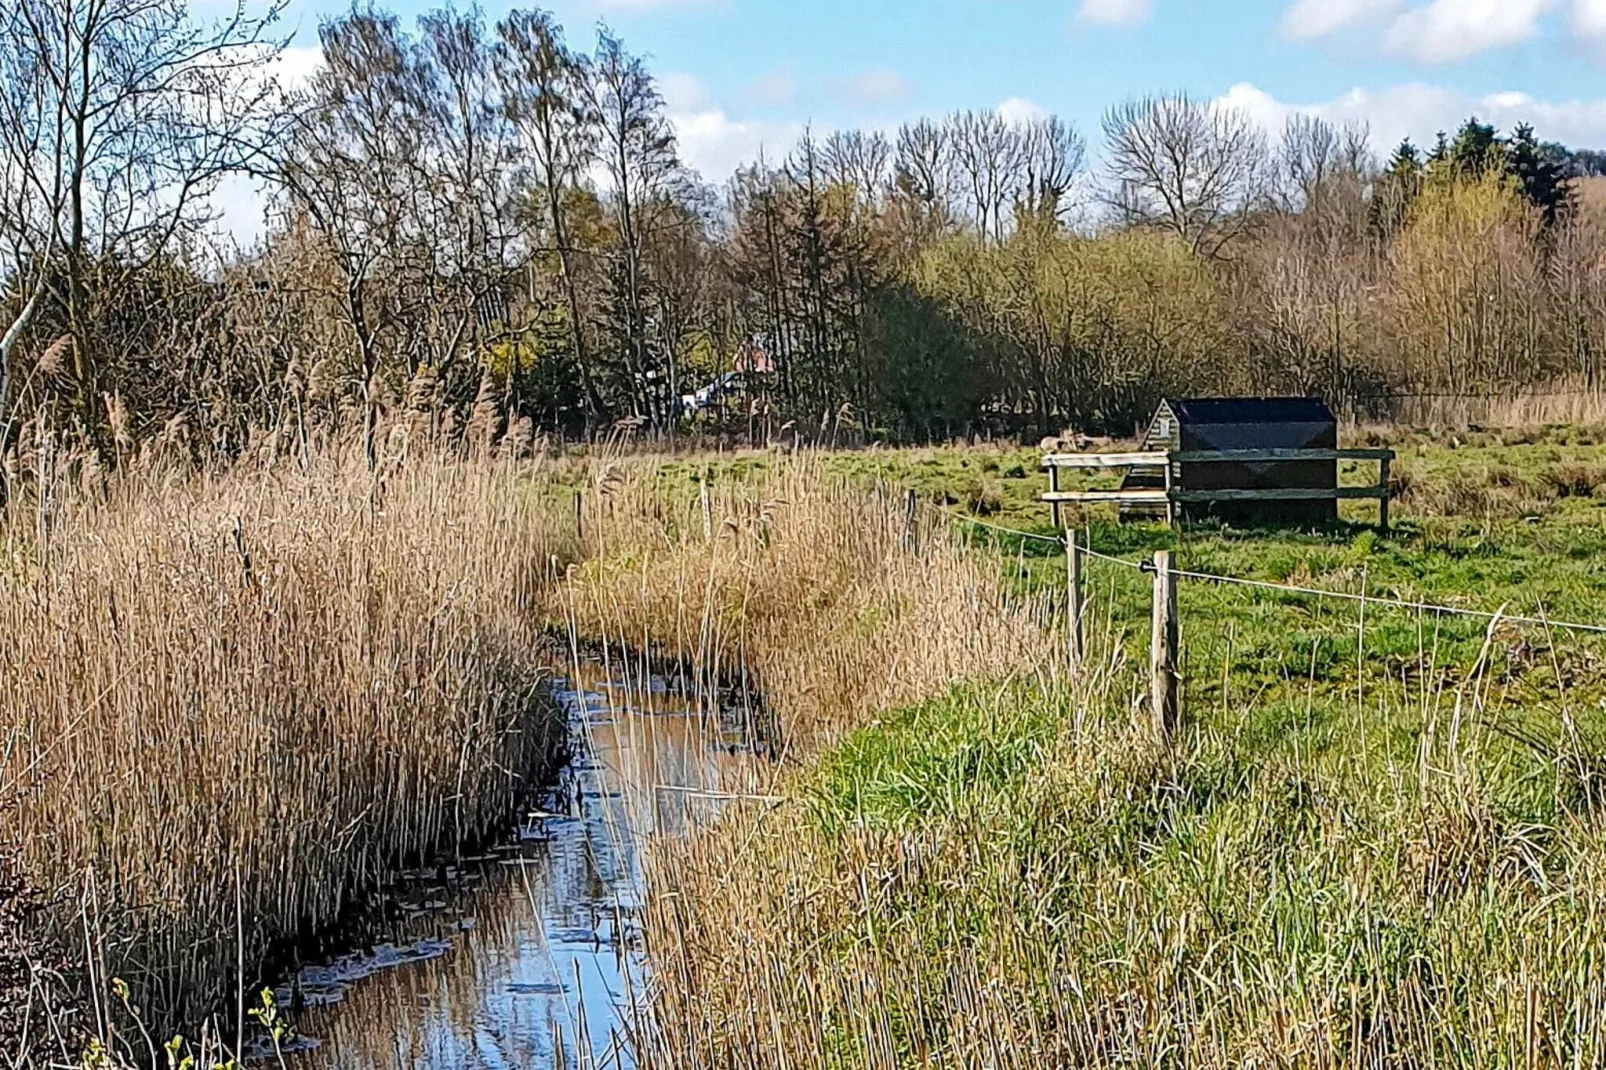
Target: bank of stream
x=529, y=954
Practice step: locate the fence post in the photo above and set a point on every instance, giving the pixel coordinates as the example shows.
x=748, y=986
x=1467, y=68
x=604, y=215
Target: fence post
x=909, y=509
x=579, y=516
x=1383, y=502
x=708, y=511
x=1170, y=489
x=1054, y=488
x=1164, y=689
x=1073, y=600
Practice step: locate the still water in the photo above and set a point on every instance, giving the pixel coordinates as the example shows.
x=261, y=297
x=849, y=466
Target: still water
x=528, y=956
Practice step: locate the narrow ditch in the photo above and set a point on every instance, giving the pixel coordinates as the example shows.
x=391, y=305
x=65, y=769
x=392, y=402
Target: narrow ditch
x=529, y=953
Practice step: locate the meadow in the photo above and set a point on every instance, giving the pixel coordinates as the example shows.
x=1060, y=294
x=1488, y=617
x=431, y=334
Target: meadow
x=251, y=694
x=1376, y=843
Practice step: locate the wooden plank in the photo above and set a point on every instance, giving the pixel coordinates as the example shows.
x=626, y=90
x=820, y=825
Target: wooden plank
x=1252, y=456
x=1104, y=460
x=1156, y=496
x=1280, y=494
x=1165, y=707
x=1383, y=500
x=1073, y=601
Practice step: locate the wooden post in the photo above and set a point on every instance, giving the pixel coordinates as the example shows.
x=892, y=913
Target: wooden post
x=708, y=512
x=1383, y=502
x=1170, y=503
x=579, y=518
x=1164, y=681
x=909, y=509
x=1073, y=601
x=1054, y=486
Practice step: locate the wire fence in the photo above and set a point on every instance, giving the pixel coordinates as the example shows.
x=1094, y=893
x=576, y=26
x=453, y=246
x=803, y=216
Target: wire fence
x=1295, y=589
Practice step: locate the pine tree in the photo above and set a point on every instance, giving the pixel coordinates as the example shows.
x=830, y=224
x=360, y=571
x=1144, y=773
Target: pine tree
x=1477, y=150
x=1398, y=188
x=1540, y=171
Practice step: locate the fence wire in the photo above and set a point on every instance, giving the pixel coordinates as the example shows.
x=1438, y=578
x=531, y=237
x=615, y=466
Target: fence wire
x=1288, y=588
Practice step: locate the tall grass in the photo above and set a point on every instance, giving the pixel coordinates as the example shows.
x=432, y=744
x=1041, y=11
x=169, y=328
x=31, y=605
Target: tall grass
x=972, y=888
x=824, y=596
x=1574, y=401
x=1010, y=874
x=233, y=701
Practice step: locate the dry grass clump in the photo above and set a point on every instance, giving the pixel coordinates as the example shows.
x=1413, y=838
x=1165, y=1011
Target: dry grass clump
x=1495, y=490
x=233, y=701
x=823, y=594
x=1576, y=479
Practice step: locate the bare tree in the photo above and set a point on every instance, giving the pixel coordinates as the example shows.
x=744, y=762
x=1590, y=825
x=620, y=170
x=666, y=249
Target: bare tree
x=544, y=88
x=988, y=157
x=351, y=167
x=467, y=234
x=1053, y=156
x=922, y=163
x=27, y=208
x=638, y=155
x=858, y=161
x=1315, y=154
x=123, y=117
x=1193, y=168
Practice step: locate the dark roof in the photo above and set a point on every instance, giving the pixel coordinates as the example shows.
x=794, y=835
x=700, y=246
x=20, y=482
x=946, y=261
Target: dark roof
x=1198, y=411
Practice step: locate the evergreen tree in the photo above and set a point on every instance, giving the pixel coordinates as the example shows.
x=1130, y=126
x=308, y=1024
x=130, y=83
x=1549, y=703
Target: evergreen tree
x=1540, y=171
x=1477, y=150
x=1398, y=188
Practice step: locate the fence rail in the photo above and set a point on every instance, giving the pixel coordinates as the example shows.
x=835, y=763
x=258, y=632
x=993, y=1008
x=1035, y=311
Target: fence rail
x=1171, y=495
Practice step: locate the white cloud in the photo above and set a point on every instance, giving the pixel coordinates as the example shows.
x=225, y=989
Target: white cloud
x=1589, y=20
x=1419, y=112
x=683, y=93
x=1019, y=111
x=710, y=141
x=1115, y=12
x=295, y=66
x=1310, y=20
x=1448, y=30
x=869, y=89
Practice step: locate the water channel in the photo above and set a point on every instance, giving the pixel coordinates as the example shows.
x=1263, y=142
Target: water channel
x=528, y=955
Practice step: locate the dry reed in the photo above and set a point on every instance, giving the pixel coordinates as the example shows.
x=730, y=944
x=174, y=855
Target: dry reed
x=822, y=594
x=232, y=702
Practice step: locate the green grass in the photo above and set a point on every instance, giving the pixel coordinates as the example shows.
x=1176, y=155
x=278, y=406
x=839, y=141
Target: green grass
x=1487, y=521
x=949, y=758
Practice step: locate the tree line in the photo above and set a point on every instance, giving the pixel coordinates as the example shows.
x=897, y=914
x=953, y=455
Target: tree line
x=483, y=228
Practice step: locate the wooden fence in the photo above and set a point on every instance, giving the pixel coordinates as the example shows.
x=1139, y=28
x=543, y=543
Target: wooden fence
x=1171, y=495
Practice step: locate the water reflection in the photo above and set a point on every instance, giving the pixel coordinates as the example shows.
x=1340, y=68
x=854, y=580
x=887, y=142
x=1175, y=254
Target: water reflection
x=526, y=957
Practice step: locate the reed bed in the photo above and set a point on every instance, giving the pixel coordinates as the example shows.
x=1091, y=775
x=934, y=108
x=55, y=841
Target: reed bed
x=825, y=596
x=232, y=702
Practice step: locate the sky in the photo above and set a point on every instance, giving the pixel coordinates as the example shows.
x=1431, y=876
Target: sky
x=744, y=77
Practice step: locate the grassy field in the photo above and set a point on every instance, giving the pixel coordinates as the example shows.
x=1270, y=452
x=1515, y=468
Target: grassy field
x=1376, y=845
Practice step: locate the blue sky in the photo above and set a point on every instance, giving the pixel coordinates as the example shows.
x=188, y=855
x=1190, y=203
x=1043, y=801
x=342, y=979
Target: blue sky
x=742, y=76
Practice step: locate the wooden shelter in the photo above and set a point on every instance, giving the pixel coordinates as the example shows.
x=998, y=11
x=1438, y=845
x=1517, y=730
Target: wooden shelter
x=1250, y=462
